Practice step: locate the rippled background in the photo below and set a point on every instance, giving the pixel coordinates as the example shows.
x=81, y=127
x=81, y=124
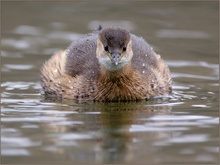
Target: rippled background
x=181, y=128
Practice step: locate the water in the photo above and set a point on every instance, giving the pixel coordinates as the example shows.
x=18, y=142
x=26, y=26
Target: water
x=180, y=128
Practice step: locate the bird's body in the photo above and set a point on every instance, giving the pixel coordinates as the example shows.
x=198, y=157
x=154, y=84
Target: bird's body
x=109, y=65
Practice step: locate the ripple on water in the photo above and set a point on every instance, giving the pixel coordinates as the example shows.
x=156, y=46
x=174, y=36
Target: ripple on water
x=30, y=119
x=196, y=138
x=213, y=69
x=173, y=123
x=74, y=136
x=191, y=34
x=27, y=30
x=151, y=128
x=16, y=146
x=20, y=85
x=179, y=118
x=15, y=152
x=177, y=75
x=63, y=35
x=181, y=123
x=18, y=142
x=17, y=67
x=15, y=43
x=11, y=54
x=200, y=106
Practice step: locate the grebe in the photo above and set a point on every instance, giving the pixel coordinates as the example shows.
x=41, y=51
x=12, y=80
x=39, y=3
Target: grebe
x=107, y=65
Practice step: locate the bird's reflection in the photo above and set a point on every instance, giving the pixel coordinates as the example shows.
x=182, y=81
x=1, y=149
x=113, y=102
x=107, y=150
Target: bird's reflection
x=116, y=119
x=111, y=122
x=114, y=146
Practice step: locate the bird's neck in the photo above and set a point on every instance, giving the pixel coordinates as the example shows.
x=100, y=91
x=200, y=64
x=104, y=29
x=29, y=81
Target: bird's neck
x=108, y=75
x=118, y=85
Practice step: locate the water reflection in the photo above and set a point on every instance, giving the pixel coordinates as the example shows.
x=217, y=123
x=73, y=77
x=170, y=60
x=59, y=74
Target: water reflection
x=99, y=132
x=110, y=126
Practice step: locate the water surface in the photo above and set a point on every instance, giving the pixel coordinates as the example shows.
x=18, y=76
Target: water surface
x=179, y=128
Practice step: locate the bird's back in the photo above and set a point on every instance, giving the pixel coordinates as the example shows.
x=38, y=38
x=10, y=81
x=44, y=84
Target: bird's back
x=82, y=60
x=81, y=57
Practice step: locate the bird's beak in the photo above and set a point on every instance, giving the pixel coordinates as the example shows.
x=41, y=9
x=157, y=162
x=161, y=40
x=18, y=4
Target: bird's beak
x=116, y=57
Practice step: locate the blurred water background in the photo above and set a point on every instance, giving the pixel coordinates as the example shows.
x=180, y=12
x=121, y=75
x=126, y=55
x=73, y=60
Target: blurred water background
x=181, y=128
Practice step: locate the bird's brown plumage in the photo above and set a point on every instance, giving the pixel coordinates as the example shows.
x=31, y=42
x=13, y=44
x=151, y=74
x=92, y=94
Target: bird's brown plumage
x=76, y=73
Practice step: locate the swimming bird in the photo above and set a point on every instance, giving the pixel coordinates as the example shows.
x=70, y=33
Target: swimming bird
x=109, y=64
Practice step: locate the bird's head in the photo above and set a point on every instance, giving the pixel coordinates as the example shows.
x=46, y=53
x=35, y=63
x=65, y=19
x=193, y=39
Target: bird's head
x=114, y=48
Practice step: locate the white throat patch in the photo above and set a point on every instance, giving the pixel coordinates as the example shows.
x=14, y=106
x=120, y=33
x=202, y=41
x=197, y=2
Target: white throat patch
x=109, y=65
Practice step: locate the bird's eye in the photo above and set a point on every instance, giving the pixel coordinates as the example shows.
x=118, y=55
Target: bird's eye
x=106, y=48
x=124, y=49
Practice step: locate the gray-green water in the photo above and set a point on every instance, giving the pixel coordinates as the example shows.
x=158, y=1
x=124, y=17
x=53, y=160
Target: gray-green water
x=181, y=128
